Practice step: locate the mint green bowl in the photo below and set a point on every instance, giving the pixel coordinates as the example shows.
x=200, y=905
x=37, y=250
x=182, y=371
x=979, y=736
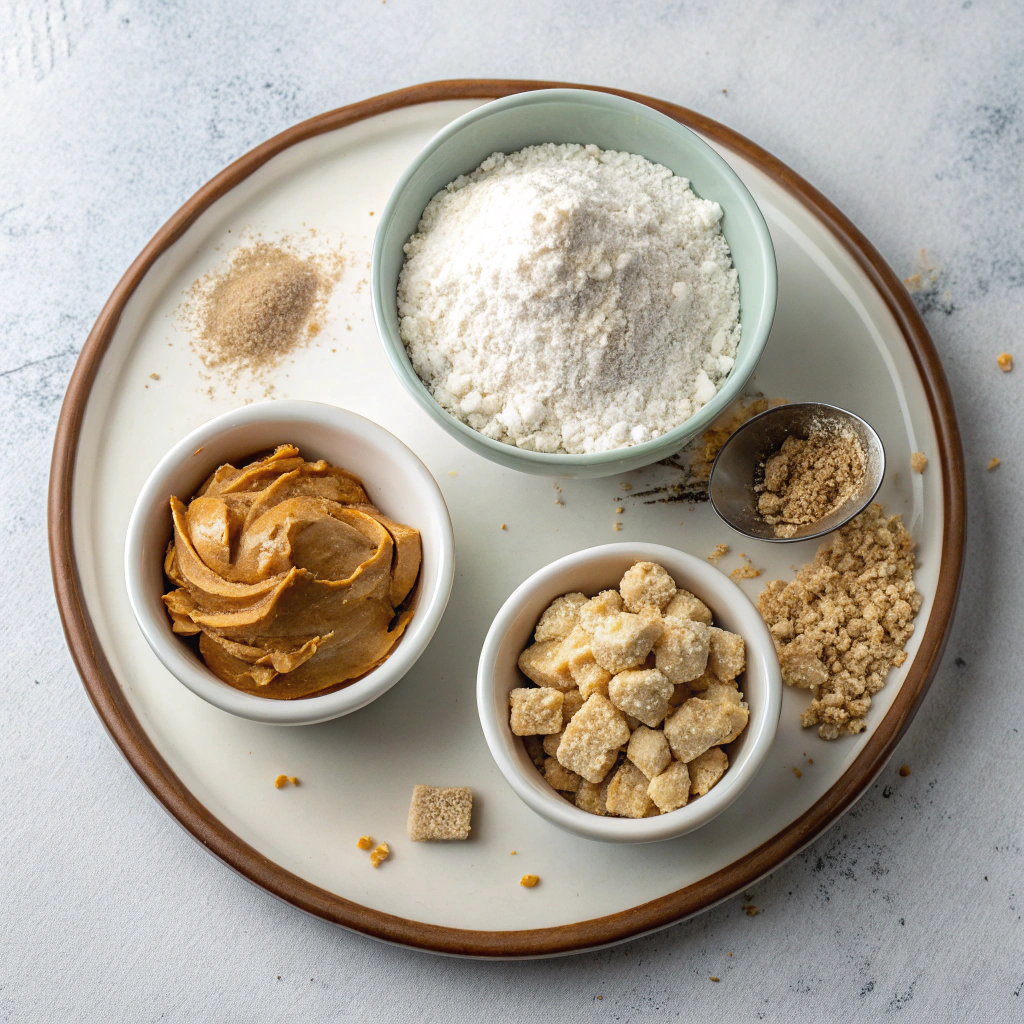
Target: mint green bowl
x=610, y=122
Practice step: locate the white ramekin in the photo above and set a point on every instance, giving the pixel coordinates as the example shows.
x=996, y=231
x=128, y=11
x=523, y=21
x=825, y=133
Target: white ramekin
x=396, y=482
x=601, y=568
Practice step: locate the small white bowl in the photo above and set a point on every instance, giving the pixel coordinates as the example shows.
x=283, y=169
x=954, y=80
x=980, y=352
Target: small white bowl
x=394, y=478
x=590, y=571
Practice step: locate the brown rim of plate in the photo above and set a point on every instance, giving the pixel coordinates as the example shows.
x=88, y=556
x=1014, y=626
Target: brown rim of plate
x=119, y=720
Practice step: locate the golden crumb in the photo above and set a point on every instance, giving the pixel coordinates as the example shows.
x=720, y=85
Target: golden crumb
x=810, y=760
x=313, y=329
x=281, y=781
x=744, y=572
x=918, y=460
x=154, y=376
x=503, y=526
x=560, y=504
x=528, y=881
x=453, y=472
x=992, y=463
x=798, y=773
x=364, y=842
x=711, y=976
x=616, y=526
x=198, y=450
x=728, y=954
x=750, y=910
x=619, y=510
x=294, y=781
x=1005, y=362
x=513, y=853
x=716, y=555
x=904, y=770
x=625, y=487
x=379, y=855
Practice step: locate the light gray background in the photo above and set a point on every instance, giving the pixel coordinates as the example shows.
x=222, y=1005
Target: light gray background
x=909, y=116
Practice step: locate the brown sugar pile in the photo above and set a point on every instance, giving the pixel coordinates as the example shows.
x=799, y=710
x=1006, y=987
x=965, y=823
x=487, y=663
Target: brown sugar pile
x=843, y=622
x=809, y=478
x=259, y=306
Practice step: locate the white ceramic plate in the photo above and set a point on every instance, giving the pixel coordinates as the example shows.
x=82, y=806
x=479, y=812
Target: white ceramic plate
x=845, y=333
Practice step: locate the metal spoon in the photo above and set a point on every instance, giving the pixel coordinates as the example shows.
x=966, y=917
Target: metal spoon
x=731, y=484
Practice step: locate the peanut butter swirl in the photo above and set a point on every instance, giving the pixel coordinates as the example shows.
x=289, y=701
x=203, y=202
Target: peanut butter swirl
x=294, y=582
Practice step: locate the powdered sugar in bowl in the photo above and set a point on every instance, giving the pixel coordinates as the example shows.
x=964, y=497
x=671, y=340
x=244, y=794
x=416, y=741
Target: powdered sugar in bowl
x=600, y=332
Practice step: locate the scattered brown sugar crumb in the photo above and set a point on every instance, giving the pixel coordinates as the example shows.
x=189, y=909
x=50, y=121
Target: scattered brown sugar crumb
x=619, y=510
x=809, y=478
x=918, y=461
x=745, y=571
x=364, y=842
x=379, y=855
x=799, y=774
x=616, y=526
x=528, y=881
x=904, y=770
x=992, y=463
x=1005, y=362
x=845, y=619
x=154, y=376
x=810, y=760
x=625, y=487
x=716, y=556
x=258, y=306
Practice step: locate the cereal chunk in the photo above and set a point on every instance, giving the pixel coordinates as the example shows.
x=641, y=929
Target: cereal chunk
x=728, y=657
x=572, y=701
x=364, y=842
x=437, y=813
x=706, y=769
x=1004, y=361
x=623, y=640
x=627, y=792
x=918, y=461
x=643, y=693
x=560, y=778
x=671, y=789
x=560, y=617
x=697, y=725
x=593, y=797
x=529, y=881
x=550, y=744
x=536, y=710
x=379, y=855
x=681, y=652
x=608, y=602
x=591, y=740
x=646, y=584
x=546, y=664
x=648, y=750
x=535, y=748
x=686, y=606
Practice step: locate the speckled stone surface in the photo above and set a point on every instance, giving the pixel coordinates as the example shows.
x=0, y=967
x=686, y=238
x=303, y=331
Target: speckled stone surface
x=910, y=117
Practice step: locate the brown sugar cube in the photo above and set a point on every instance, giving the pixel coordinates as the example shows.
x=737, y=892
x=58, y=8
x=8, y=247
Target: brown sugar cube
x=686, y=606
x=591, y=740
x=681, y=652
x=608, y=602
x=591, y=678
x=642, y=693
x=728, y=656
x=572, y=701
x=536, y=710
x=671, y=789
x=592, y=797
x=550, y=743
x=697, y=725
x=706, y=769
x=437, y=813
x=623, y=640
x=535, y=748
x=560, y=778
x=559, y=619
x=681, y=693
x=918, y=461
x=627, y=792
x=730, y=695
x=547, y=665
x=648, y=750
x=702, y=682
x=646, y=583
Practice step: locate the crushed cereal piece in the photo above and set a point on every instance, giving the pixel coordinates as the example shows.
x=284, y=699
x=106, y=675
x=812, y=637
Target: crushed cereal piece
x=364, y=842
x=627, y=792
x=591, y=740
x=716, y=556
x=706, y=769
x=281, y=781
x=154, y=376
x=642, y=693
x=918, y=461
x=439, y=813
x=560, y=778
x=671, y=789
x=616, y=527
x=503, y=526
x=546, y=664
x=648, y=750
x=646, y=584
x=1005, y=362
x=682, y=650
x=696, y=726
x=559, y=619
x=593, y=797
x=686, y=606
x=728, y=655
x=379, y=855
x=536, y=711
x=528, y=881
x=294, y=781
x=992, y=463
x=904, y=770
x=623, y=640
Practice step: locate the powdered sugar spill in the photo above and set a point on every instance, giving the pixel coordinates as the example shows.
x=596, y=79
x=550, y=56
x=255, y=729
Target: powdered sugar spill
x=569, y=299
